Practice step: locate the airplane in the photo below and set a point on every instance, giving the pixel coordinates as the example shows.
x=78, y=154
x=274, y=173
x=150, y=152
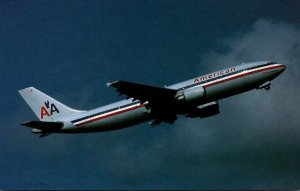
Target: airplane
x=194, y=98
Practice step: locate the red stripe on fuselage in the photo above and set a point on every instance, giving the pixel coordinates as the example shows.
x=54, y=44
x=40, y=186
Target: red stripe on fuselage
x=241, y=75
x=111, y=114
x=207, y=85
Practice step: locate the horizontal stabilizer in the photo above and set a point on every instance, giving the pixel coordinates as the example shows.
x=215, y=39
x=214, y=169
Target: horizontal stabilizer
x=44, y=126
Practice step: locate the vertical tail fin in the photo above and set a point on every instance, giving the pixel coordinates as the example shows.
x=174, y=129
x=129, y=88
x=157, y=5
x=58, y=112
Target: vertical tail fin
x=45, y=107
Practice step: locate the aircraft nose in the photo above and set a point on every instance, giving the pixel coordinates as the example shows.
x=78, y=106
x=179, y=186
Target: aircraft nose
x=282, y=68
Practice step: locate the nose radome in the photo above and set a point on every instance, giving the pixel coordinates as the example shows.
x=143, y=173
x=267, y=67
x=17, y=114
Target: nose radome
x=283, y=67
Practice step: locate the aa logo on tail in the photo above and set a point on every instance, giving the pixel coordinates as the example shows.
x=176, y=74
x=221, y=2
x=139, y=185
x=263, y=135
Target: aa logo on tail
x=45, y=109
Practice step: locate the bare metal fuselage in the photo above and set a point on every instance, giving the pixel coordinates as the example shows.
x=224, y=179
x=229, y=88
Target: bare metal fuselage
x=217, y=86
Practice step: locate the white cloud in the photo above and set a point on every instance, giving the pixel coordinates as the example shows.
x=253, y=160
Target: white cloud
x=267, y=40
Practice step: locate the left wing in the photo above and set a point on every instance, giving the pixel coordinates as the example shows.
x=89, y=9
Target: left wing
x=160, y=99
x=144, y=92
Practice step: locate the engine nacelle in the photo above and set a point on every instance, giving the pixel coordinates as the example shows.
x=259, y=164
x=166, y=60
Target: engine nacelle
x=192, y=94
x=205, y=110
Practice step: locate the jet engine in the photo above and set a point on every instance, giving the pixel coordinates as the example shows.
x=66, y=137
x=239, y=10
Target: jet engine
x=205, y=110
x=192, y=94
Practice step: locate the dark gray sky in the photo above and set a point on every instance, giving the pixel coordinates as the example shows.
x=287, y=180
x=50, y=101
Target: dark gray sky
x=70, y=49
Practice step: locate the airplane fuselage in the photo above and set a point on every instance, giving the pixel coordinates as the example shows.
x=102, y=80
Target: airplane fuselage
x=216, y=86
x=196, y=97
